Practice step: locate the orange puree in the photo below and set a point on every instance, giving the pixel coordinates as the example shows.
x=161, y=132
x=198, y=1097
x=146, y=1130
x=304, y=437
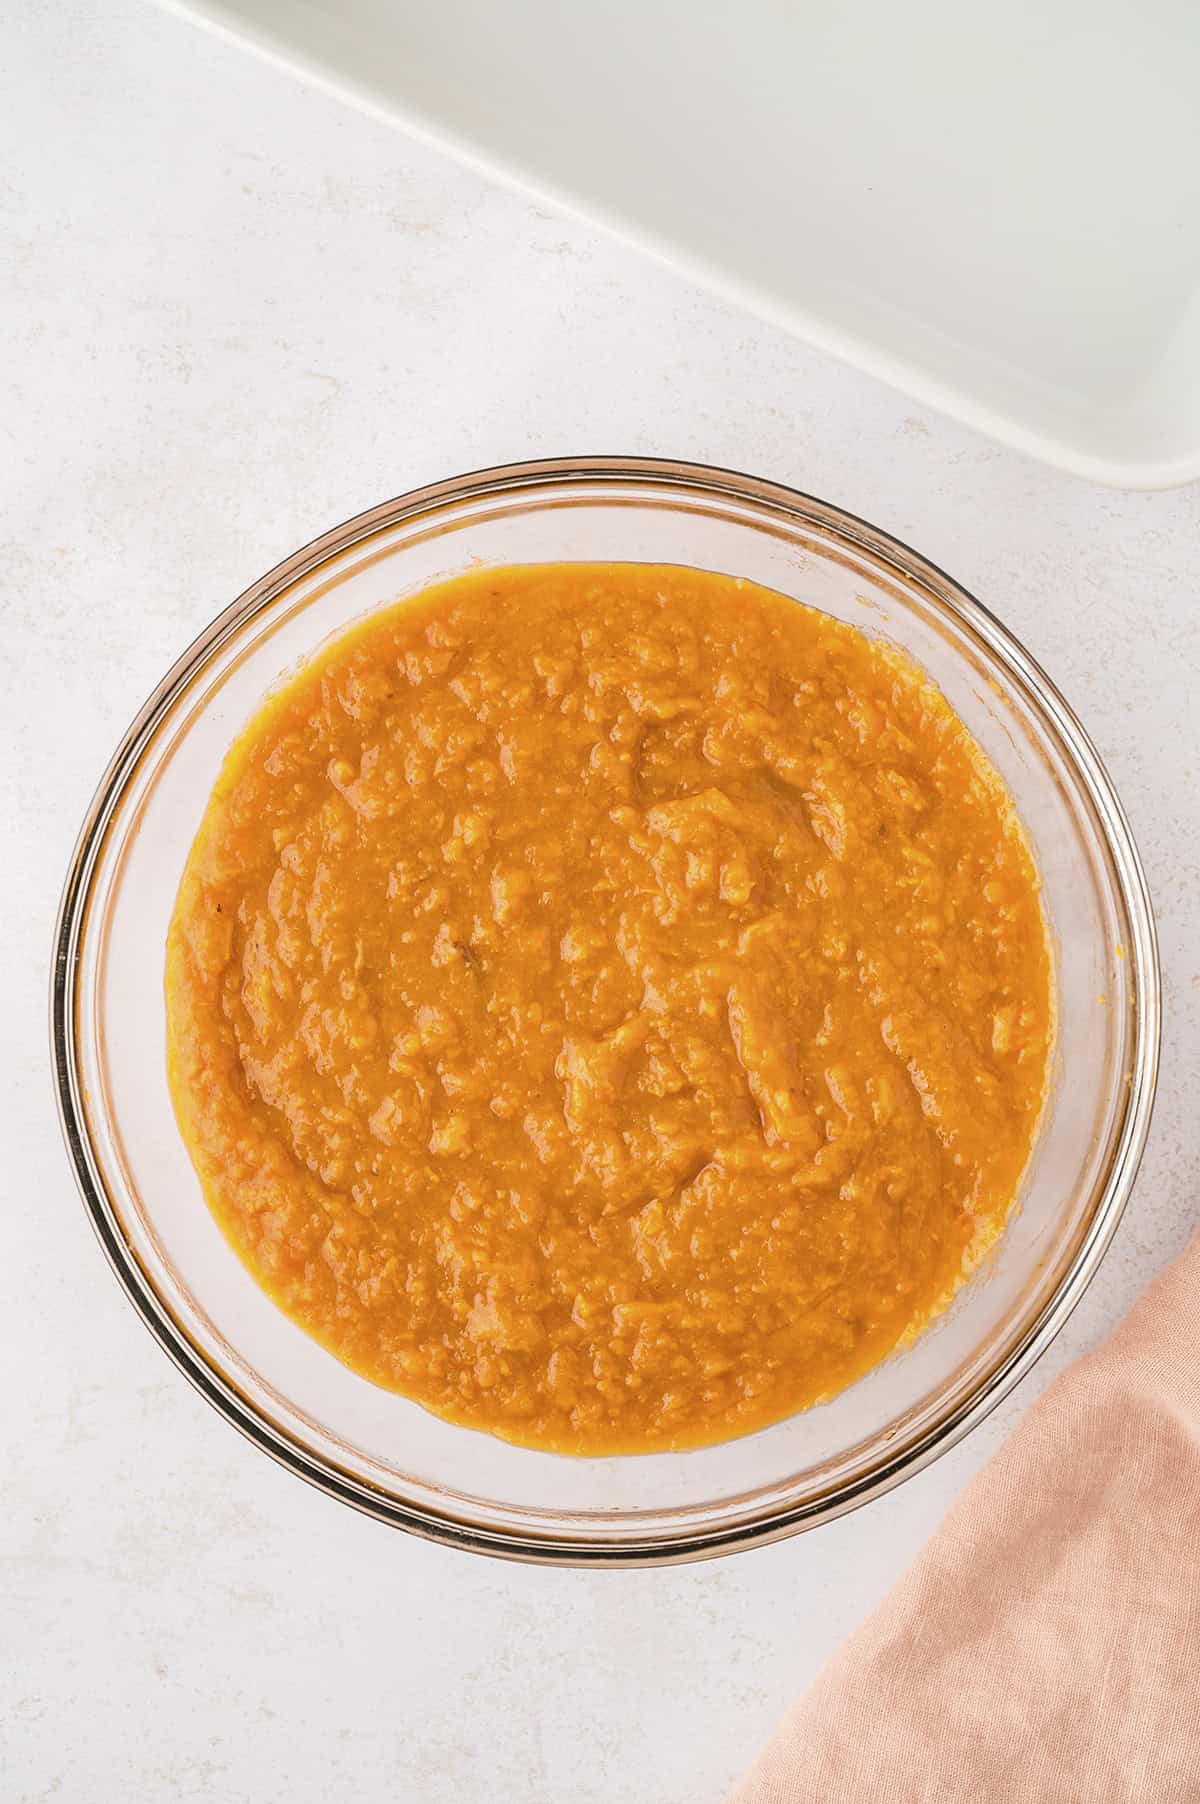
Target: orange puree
x=609, y=1003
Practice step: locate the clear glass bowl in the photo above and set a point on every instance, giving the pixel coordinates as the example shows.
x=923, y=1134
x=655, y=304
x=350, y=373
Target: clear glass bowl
x=377, y=1450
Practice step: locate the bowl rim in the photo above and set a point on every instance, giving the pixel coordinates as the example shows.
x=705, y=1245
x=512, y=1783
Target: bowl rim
x=939, y=1435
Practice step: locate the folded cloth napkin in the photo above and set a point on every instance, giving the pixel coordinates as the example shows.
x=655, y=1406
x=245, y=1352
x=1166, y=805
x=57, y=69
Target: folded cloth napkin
x=1046, y=1643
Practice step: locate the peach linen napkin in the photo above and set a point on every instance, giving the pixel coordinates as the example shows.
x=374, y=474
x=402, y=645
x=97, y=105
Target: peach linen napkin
x=1046, y=1643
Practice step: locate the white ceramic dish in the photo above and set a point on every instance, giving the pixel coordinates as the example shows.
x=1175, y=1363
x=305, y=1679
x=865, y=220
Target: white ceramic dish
x=996, y=209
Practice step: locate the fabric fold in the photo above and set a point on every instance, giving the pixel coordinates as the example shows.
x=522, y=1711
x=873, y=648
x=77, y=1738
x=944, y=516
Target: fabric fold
x=1045, y=1645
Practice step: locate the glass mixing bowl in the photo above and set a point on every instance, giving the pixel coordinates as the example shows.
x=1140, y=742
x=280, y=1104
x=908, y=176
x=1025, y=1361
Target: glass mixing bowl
x=384, y=1454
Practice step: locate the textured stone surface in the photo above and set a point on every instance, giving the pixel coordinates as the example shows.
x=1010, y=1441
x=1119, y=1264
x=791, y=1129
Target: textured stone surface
x=234, y=312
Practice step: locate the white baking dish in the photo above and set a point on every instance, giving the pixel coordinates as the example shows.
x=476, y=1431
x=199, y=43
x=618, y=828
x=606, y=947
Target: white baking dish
x=995, y=208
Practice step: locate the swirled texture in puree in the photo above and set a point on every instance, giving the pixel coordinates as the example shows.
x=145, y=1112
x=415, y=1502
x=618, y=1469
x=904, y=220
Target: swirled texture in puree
x=608, y=1003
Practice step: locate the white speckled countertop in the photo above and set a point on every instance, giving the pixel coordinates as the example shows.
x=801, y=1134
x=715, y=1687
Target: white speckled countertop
x=233, y=312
